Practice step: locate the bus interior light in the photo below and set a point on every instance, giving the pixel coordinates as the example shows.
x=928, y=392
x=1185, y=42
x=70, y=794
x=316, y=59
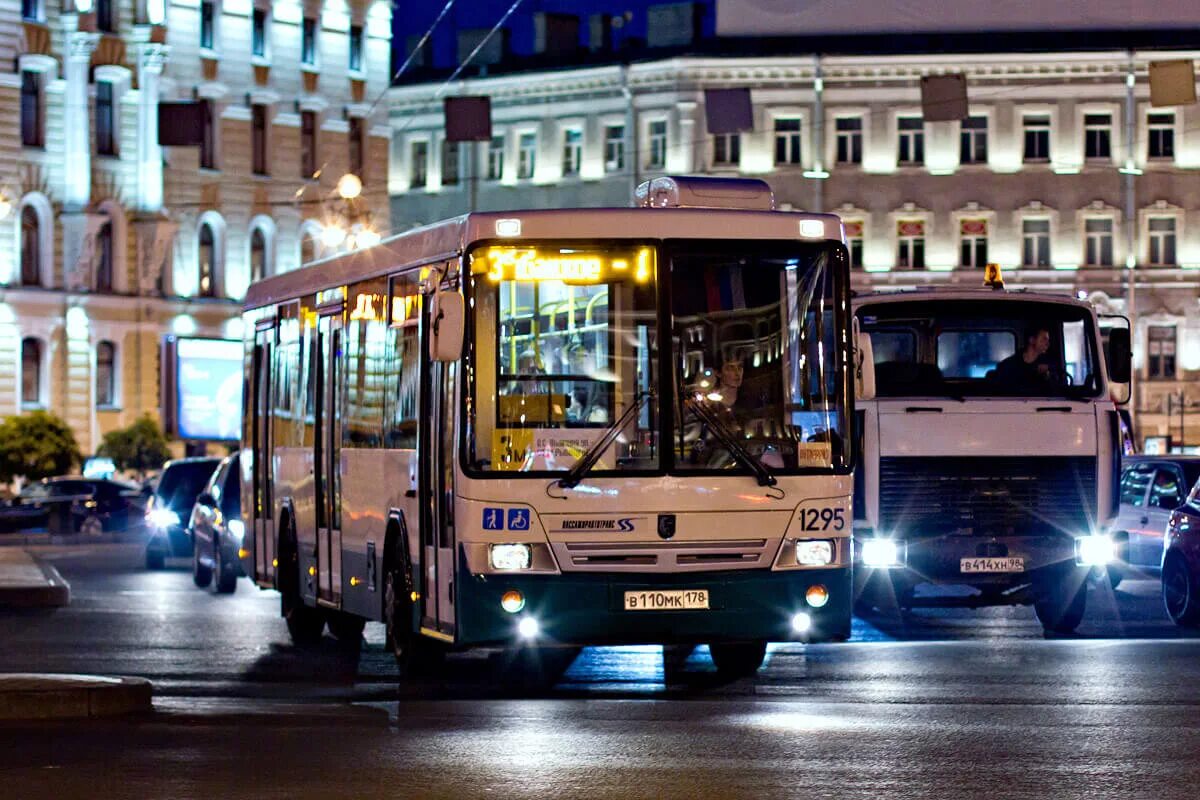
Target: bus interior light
x=511, y=556
x=880, y=553
x=814, y=552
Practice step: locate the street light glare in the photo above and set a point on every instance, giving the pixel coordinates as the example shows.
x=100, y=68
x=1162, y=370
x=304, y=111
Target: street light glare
x=332, y=236
x=349, y=186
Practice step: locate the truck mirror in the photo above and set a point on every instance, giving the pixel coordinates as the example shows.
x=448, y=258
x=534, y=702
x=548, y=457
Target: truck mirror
x=446, y=326
x=864, y=365
x=1119, y=356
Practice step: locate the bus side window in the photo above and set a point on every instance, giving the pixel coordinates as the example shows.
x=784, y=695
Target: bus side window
x=402, y=364
x=364, y=364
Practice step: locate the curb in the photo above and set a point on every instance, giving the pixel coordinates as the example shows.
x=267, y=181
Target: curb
x=34, y=697
x=52, y=592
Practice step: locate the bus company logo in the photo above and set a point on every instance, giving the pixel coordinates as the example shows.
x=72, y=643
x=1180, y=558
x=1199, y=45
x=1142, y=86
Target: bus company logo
x=622, y=525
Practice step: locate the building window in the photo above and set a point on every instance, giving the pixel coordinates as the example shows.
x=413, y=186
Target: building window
x=849, y=140
x=32, y=130
x=854, y=242
x=356, y=48
x=1097, y=136
x=614, y=148
x=1035, y=243
x=208, y=136
x=787, y=140
x=658, y=144
x=973, y=141
x=31, y=373
x=495, y=158
x=727, y=149
x=1162, y=240
x=450, y=152
x=308, y=42
x=106, y=374
x=208, y=23
x=106, y=138
x=258, y=36
x=973, y=243
x=258, y=139
x=526, y=155
x=31, y=10
x=258, y=255
x=106, y=18
x=308, y=246
x=31, y=247
x=207, y=262
x=1160, y=352
x=1099, y=233
x=1161, y=130
x=308, y=144
x=910, y=248
x=358, y=146
x=911, y=132
x=572, y=151
x=104, y=257
x=418, y=164
x=1037, y=137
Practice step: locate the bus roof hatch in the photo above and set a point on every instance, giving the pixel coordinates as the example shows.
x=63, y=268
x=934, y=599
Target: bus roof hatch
x=692, y=192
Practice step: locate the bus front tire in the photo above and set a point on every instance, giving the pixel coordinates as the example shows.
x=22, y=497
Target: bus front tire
x=305, y=624
x=415, y=655
x=1061, y=603
x=737, y=659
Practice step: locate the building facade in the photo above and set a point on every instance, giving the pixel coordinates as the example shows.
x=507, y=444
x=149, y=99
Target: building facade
x=109, y=240
x=1063, y=173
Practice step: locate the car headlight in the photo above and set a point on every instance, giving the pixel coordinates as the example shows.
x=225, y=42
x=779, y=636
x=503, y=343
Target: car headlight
x=236, y=528
x=511, y=556
x=1095, y=550
x=162, y=517
x=814, y=552
x=879, y=553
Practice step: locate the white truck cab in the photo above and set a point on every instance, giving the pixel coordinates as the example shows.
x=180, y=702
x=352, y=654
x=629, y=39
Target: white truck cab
x=991, y=449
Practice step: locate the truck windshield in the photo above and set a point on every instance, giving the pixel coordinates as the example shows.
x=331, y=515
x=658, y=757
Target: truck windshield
x=982, y=348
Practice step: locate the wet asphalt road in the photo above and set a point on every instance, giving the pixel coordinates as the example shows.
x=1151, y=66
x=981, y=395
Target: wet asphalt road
x=947, y=703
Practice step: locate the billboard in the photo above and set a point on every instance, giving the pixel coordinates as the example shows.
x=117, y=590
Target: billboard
x=202, y=388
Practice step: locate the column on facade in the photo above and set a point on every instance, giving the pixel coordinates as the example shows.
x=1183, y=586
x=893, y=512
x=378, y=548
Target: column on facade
x=684, y=156
x=77, y=402
x=153, y=232
x=78, y=229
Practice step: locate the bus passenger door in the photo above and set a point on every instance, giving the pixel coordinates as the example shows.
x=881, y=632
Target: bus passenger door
x=327, y=459
x=264, y=525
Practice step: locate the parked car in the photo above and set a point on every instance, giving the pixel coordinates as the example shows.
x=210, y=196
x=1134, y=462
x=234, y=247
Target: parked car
x=95, y=505
x=217, y=530
x=1152, y=487
x=170, y=507
x=1181, y=562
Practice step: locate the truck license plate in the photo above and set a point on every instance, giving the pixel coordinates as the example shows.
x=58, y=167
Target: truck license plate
x=1010, y=564
x=666, y=600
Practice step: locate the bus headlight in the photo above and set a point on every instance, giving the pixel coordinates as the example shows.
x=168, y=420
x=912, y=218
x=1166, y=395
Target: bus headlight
x=880, y=553
x=528, y=628
x=511, y=556
x=814, y=552
x=1096, y=550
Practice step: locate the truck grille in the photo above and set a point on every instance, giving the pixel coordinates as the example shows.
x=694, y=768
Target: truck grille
x=921, y=497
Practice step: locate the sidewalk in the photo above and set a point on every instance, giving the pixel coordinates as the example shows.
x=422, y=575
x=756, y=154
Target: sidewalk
x=26, y=582
x=28, y=697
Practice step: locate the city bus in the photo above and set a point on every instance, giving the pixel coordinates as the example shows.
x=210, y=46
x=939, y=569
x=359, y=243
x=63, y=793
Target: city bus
x=560, y=428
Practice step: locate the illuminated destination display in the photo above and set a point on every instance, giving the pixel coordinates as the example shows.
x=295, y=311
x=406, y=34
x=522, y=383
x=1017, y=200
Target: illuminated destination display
x=575, y=267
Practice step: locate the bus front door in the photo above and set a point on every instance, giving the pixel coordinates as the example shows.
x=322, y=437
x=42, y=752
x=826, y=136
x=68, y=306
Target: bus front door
x=327, y=460
x=264, y=527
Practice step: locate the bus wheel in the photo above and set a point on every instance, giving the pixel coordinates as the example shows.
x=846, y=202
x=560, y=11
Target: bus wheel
x=305, y=624
x=347, y=629
x=1061, y=602
x=738, y=659
x=415, y=655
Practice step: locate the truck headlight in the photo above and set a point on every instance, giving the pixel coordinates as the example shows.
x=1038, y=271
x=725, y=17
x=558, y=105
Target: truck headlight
x=880, y=553
x=511, y=556
x=814, y=552
x=1096, y=550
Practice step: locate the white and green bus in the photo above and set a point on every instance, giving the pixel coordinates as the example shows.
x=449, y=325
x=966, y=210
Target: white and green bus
x=561, y=427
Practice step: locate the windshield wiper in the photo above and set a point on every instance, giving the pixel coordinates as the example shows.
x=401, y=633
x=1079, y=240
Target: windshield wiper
x=584, y=465
x=761, y=471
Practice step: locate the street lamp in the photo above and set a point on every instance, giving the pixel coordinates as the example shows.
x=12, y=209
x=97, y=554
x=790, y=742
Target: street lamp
x=350, y=224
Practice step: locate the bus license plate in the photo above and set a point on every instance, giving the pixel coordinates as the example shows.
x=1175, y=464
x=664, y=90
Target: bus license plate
x=667, y=600
x=1011, y=564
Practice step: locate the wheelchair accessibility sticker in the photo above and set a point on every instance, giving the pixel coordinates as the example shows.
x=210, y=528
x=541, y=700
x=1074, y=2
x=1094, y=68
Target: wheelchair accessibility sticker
x=494, y=519
x=518, y=519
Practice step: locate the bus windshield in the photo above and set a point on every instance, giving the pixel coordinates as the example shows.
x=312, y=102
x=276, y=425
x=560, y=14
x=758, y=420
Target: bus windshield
x=564, y=344
x=974, y=348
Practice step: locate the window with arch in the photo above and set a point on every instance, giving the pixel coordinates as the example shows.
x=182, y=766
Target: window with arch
x=258, y=255
x=104, y=257
x=207, y=273
x=106, y=374
x=308, y=246
x=31, y=373
x=31, y=247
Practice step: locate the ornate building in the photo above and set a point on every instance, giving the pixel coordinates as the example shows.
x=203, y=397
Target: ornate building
x=109, y=240
x=1063, y=172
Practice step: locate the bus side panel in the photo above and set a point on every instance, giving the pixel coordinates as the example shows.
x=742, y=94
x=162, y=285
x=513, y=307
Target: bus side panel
x=374, y=481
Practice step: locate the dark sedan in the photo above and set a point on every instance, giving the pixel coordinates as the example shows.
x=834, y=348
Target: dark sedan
x=170, y=507
x=93, y=505
x=1181, y=562
x=217, y=530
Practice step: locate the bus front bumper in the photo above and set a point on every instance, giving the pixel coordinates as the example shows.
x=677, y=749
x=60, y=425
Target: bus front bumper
x=589, y=609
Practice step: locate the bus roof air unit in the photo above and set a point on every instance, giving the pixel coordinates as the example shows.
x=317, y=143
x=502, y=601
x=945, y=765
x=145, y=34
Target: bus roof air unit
x=670, y=191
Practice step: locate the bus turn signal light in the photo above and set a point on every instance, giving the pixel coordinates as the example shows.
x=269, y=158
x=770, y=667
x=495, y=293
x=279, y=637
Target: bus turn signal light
x=512, y=601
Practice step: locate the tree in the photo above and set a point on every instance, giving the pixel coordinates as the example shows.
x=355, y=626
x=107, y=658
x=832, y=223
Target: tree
x=142, y=446
x=36, y=445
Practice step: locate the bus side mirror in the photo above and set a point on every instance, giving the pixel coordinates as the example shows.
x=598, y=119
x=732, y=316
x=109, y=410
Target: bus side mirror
x=447, y=322
x=1119, y=356
x=864, y=365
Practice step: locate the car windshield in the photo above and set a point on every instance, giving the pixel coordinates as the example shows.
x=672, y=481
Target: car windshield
x=182, y=483
x=995, y=348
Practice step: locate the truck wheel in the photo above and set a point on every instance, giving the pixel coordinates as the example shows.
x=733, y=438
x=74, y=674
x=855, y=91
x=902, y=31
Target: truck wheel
x=1060, y=603
x=1179, y=593
x=415, y=654
x=738, y=659
x=201, y=575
